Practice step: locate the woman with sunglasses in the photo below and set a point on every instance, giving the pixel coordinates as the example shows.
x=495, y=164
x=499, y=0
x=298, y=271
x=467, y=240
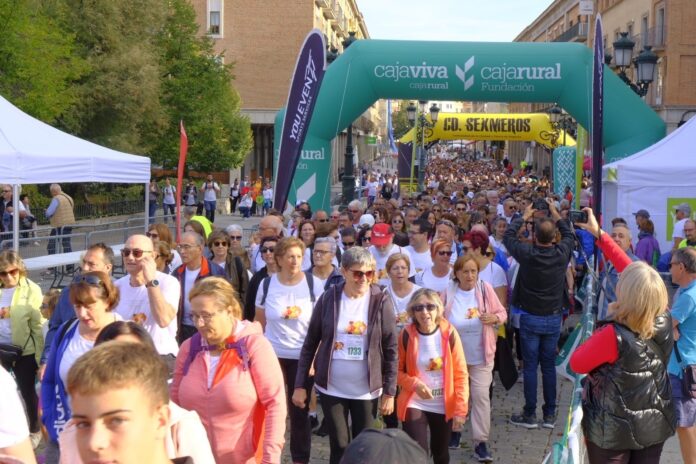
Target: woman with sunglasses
x=432, y=375
x=351, y=342
x=160, y=233
x=365, y=237
x=398, y=223
x=236, y=235
x=94, y=298
x=267, y=251
x=473, y=308
x=20, y=326
x=235, y=273
x=439, y=275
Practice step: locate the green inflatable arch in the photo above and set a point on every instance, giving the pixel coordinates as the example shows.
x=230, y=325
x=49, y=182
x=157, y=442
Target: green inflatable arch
x=464, y=71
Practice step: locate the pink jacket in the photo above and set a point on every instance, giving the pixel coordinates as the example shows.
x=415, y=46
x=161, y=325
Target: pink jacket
x=489, y=304
x=231, y=409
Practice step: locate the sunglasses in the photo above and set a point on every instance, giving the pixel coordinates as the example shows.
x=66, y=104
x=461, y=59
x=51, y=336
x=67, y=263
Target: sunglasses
x=443, y=253
x=358, y=275
x=335, y=218
x=267, y=250
x=322, y=220
x=461, y=209
x=137, y=252
x=437, y=210
x=348, y=244
x=88, y=279
x=151, y=234
x=236, y=237
x=424, y=307
x=12, y=272
x=367, y=239
x=217, y=244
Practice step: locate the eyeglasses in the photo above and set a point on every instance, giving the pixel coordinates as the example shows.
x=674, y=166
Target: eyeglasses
x=335, y=218
x=218, y=244
x=461, y=209
x=137, y=252
x=236, y=238
x=349, y=244
x=12, y=272
x=322, y=220
x=443, y=253
x=424, y=307
x=320, y=252
x=183, y=247
x=267, y=250
x=358, y=275
x=88, y=279
x=673, y=263
x=152, y=234
x=367, y=239
x=437, y=210
x=205, y=317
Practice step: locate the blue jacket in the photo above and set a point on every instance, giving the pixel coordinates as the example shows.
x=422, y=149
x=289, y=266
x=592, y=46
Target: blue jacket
x=587, y=240
x=54, y=398
x=64, y=312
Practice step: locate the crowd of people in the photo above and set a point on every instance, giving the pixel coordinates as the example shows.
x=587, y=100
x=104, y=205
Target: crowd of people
x=396, y=310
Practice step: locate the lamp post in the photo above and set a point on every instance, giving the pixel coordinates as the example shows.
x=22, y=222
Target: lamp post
x=348, y=169
x=416, y=116
x=645, y=64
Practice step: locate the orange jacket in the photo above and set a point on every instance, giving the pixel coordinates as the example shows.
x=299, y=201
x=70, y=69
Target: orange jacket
x=456, y=375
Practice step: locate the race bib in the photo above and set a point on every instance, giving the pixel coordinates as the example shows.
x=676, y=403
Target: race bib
x=434, y=377
x=349, y=347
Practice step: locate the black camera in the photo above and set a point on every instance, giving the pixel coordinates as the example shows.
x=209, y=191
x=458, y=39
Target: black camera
x=577, y=217
x=540, y=205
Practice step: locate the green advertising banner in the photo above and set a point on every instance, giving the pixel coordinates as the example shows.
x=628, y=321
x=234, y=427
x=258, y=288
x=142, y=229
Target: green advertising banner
x=672, y=204
x=452, y=71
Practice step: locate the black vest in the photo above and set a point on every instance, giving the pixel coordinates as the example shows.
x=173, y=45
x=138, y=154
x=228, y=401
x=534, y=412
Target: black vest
x=628, y=404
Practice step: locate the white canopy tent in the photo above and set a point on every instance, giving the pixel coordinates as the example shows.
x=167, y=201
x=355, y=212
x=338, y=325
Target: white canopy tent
x=32, y=152
x=653, y=179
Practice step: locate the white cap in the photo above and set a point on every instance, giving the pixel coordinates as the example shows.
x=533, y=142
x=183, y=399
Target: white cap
x=470, y=195
x=366, y=220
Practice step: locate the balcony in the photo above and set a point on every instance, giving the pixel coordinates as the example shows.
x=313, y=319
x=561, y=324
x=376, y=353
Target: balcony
x=330, y=11
x=323, y=3
x=337, y=24
x=576, y=33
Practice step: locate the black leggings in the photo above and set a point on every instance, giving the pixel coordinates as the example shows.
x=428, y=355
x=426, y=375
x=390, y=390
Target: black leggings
x=336, y=414
x=25, y=372
x=416, y=426
x=650, y=455
x=300, y=425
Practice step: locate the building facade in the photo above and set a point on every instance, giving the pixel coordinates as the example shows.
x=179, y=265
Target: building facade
x=262, y=39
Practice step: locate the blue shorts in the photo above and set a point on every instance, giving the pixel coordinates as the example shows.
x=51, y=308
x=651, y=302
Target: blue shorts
x=684, y=407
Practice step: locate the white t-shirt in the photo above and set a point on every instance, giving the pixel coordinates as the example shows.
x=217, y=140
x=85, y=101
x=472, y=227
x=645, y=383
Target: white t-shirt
x=288, y=309
x=169, y=192
x=348, y=375
x=210, y=190
x=465, y=318
x=189, y=281
x=13, y=422
x=427, y=279
x=430, y=361
x=678, y=230
x=6, y=295
x=372, y=189
x=494, y=275
x=134, y=305
x=402, y=318
x=381, y=260
x=268, y=194
x=420, y=261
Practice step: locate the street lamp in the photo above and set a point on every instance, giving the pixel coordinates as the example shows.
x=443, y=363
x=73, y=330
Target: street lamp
x=348, y=169
x=645, y=64
x=416, y=116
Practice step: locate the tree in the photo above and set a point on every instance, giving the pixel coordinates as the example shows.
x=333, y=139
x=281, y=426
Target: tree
x=197, y=89
x=38, y=64
x=400, y=122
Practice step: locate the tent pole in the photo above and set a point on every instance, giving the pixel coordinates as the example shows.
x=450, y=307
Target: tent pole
x=147, y=205
x=15, y=217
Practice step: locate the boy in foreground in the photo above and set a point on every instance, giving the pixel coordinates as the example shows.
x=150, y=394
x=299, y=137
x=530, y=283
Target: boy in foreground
x=119, y=396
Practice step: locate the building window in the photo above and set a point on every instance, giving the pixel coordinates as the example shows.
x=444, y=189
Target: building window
x=215, y=17
x=660, y=26
x=644, y=34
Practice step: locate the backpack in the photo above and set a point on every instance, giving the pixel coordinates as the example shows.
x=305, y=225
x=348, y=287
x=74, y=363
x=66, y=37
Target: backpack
x=310, y=284
x=196, y=347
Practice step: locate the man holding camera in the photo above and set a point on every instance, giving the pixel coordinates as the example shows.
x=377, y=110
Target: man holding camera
x=538, y=298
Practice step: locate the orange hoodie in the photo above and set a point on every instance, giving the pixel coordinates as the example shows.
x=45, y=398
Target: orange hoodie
x=456, y=375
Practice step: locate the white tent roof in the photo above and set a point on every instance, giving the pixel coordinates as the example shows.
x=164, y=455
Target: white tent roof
x=32, y=152
x=670, y=161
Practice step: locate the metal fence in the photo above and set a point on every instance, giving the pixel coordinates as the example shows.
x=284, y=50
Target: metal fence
x=98, y=210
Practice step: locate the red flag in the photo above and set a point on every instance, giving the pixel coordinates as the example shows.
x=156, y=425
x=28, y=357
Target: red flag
x=183, y=149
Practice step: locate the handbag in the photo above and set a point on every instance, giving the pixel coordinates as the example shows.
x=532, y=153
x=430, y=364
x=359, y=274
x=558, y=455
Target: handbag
x=504, y=361
x=688, y=380
x=9, y=355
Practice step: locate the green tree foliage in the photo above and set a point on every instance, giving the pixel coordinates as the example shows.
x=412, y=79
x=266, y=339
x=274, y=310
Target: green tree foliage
x=38, y=64
x=400, y=120
x=197, y=90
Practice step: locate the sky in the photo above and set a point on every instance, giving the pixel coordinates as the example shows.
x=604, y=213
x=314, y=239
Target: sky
x=456, y=20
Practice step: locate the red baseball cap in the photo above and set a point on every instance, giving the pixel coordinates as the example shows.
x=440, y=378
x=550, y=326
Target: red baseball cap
x=381, y=234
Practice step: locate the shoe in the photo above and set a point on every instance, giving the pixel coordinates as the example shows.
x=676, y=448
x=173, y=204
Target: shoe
x=313, y=422
x=528, y=422
x=549, y=422
x=323, y=430
x=482, y=454
x=35, y=439
x=455, y=440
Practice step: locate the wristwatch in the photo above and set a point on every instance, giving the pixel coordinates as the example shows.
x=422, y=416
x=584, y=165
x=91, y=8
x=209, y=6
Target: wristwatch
x=153, y=283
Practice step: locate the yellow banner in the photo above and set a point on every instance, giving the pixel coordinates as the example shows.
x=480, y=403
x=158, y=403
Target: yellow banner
x=524, y=127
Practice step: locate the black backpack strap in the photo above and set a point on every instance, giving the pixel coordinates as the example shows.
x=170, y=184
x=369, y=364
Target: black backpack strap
x=310, y=283
x=266, y=283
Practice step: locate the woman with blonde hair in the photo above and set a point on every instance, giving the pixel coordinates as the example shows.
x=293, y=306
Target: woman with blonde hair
x=229, y=375
x=628, y=412
x=432, y=375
